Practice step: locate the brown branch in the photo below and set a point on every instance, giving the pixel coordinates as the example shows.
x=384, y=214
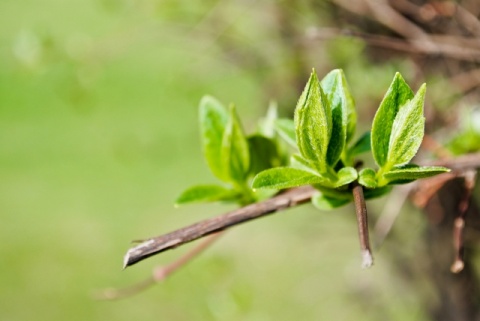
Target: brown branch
x=459, y=223
x=280, y=202
x=438, y=45
x=190, y=233
x=362, y=223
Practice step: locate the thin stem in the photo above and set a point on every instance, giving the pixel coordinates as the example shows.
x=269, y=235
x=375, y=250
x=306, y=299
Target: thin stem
x=190, y=233
x=459, y=223
x=362, y=222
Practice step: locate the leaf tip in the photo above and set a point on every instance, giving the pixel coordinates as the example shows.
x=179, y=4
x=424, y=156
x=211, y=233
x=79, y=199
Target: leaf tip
x=422, y=89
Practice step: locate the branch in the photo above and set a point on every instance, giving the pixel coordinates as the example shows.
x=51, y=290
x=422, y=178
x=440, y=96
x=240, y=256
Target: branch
x=287, y=199
x=459, y=223
x=195, y=231
x=362, y=223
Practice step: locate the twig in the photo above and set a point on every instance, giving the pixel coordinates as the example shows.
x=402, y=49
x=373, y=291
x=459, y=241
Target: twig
x=190, y=233
x=416, y=39
x=159, y=274
x=362, y=223
x=459, y=223
x=282, y=201
x=444, y=46
x=468, y=161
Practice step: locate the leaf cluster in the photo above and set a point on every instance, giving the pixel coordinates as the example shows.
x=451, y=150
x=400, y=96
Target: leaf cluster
x=323, y=127
x=233, y=157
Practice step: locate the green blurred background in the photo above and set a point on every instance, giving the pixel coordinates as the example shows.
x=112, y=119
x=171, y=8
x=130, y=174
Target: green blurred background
x=98, y=135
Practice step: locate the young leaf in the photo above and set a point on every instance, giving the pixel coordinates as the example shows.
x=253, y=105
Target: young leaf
x=345, y=176
x=205, y=193
x=335, y=88
x=213, y=119
x=263, y=154
x=398, y=94
x=234, y=152
x=285, y=177
x=286, y=129
x=367, y=178
x=325, y=203
x=413, y=172
x=313, y=124
x=407, y=130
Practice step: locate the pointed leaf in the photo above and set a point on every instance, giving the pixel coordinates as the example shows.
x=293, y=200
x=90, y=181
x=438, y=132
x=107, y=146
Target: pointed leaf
x=285, y=177
x=313, y=124
x=213, y=119
x=205, y=193
x=367, y=178
x=235, y=153
x=407, y=130
x=413, y=172
x=345, y=176
x=398, y=94
x=286, y=129
x=338, y=95
x=326, y=203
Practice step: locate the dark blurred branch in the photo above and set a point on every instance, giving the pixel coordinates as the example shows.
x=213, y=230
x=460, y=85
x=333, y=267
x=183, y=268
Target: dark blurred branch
x=416, y=40
x=445, y=46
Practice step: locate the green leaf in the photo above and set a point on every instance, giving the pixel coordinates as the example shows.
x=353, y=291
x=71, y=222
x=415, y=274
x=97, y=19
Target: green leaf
x=407, y=130
x=205, y=193
x=286, y=130
x=345, y=176
x=339, y=98
x=351, y=114
x=367, y=178
x=362, y=145
x=263, y=154
x=398, y=94
x=235, y=153
x=325, y=203
x=285, y=177
x=213, y=119
x=413, y=172
x=313, y=124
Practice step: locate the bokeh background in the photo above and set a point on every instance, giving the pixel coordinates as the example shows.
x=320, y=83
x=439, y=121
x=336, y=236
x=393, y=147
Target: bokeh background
x=98, y=135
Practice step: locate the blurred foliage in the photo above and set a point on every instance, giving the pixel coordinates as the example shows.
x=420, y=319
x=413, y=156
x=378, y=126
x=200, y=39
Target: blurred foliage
x=98, y=134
